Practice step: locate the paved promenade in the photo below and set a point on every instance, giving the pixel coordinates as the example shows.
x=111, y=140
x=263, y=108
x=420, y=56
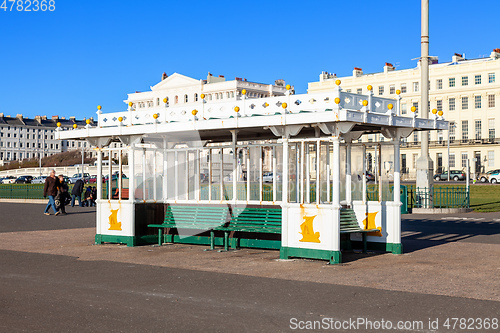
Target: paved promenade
x=53, y=278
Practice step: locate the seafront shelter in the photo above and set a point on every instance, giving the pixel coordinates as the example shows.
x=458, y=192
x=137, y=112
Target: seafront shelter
x=286, y=172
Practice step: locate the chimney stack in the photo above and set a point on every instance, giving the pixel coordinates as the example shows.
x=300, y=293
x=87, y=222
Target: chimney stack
x=357, y=72
x=388, y=67
x=164, y=76
x=457, y=57
x=495, y=54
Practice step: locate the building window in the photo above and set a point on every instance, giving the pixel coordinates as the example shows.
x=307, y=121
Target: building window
x=451, y=82
x=491, y=128
x=176, y=99
x=491, y=101
x=439, y=105
x=196, y=97
x=477, y=79
x=491, y=77
x=465, y=130
x=440, y=136
x=185, y=98
x=477, y=126
x=465, y=80
x=158, y=102
x=392, y=89
x=403, y=108
x=491, y=158
x=451, y=104
x=477, y=102
x=415, y=137
x=403, y=88
x=465, y=103
x=465, y=157
x=359, y=91
x=414, y=162
x=381, y=90
x=452, y=160
x=415, y=86
x=439, y=84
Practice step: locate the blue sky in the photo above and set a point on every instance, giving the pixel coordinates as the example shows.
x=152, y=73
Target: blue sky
x=86, y=53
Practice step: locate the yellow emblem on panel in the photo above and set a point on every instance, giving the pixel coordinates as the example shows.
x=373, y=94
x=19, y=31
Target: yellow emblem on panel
x=307, y=231
x=113, y=221
x=369, y=223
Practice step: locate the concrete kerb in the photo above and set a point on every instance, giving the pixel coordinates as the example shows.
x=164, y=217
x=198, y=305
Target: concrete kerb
x=441, y=210
x=31, y=201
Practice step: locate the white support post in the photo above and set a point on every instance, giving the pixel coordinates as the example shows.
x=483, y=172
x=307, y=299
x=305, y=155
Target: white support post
x=396, y=237
x=260, y=173
x=301, y=164
x=318, y=172
x=110, y=182
x=275, y=176
x=131, y=173
x=99, y=174
x=186, y=174
x=285, y=173
x=379, y=171
x=154, y=176
x=144, y=174
x=328, y=186
x=119, y=175
x=235, y=165
x=197, y=174
x=308, y=174
x=165, y=171
x=210, y=174
x=336, y=194
x=364, y=174
x=348, y=190
x=221, y=170
x=176, y=175
x=248, y=173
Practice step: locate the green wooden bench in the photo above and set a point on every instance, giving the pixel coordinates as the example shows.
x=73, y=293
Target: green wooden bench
x=349, y=225
x=193, y=217
x=257, y=220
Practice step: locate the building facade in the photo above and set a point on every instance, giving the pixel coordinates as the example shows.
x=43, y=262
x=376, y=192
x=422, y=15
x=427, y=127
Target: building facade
x=179, y=89
x=25, y=138
x=466, y=90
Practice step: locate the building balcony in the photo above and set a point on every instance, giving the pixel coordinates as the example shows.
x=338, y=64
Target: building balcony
x=453, y=143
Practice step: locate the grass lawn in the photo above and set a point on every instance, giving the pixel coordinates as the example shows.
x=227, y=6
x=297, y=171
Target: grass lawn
x=485, y=198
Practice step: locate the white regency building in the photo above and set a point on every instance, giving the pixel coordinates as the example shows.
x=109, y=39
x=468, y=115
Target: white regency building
x=466, y=90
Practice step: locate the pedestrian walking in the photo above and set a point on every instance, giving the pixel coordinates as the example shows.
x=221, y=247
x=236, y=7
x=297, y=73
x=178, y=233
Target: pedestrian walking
x=62, y=198
x=50, y=190
x=76, y=193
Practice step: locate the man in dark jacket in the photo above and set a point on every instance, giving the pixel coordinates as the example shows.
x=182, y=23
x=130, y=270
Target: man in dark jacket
x=50, y=190
x=62, y=196
x=76, y=192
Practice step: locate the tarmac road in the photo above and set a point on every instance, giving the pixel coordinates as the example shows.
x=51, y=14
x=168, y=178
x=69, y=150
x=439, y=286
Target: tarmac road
x=60, y=293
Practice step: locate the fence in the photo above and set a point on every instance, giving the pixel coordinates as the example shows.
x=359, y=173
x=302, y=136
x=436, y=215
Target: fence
x=442, y=197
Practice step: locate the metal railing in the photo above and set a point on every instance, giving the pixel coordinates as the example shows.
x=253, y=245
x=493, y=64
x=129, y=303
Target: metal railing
x=439, y=196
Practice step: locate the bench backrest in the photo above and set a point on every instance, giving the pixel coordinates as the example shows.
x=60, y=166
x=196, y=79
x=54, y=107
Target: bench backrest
x=348, y=220
x=197, y=216
x=257, y=217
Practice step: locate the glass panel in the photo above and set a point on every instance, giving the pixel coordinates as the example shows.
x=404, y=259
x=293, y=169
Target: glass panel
x=159, y=175
x=357, y=172
x=387, y=172
x=292, y=172
x=180, y=175
x=170, y=174
x=252, y=171
x=138, y=180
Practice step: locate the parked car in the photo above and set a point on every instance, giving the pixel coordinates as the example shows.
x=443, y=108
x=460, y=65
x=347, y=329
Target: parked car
x=39, y=180
x=267, y=177
x=482, y=177
x=456, y=175
x=113, y=177
x=93, y=179
x=9, y=180
x=77, y=176
x=23, y=180
x=495, y=177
